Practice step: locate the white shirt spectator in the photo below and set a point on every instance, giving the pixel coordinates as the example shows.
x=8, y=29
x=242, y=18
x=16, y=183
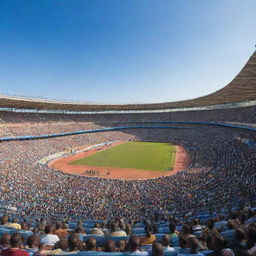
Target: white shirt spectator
x=168, y=249
x=50, y=239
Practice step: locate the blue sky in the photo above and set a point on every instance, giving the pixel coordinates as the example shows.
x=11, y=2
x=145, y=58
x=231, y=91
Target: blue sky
x=123, y=51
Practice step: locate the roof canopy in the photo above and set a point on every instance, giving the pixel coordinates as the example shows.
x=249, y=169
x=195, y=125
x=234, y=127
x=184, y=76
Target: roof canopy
x=241, y=88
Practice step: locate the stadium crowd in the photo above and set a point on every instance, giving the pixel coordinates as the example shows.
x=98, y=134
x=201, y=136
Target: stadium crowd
x=231, y=233
x=221, y=177
x=21, y=124
x=222, y=173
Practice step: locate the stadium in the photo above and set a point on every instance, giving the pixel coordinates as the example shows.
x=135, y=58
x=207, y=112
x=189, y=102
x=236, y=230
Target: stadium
x=216, y=179
x=160, y=178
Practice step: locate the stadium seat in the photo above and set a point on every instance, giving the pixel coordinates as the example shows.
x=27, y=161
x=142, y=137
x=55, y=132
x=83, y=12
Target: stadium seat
x=139, y=225
x=72, y=225
x=175, y=241
x=159, y=236
x=182, y=250
x=170, y=253
x=206, y=252
x=146, y=247
x=228, y=235
x=179, y=228
x=5, y=230
x=25, y=233
x=117, y=238
x=91, y=253
x=138, y=230
x=220, y=224
x=197, y=233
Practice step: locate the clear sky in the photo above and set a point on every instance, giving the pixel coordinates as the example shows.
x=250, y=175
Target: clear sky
x=123, y=51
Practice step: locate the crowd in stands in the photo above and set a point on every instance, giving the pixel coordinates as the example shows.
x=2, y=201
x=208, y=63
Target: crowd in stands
x=222, y=173
x=38, y=124
x=221, y=176
x=233, y=232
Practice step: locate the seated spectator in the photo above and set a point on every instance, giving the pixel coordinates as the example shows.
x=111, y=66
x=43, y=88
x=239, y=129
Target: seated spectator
x=207, y=231
x=62, y=244
x=155, y=229
x=74, y=243
x=157, y=249
x=240, y=241
x=110, y=246
x=121, y=223
x=97, y=231
x=40, y=229
x=14, y=224
x=252, y=240
x=24, y=226
x=16, y=247
x=5, y=241
x=193, y=245
x=166, y=244
x=114, y=230
x=61, y=247
x=216, y=243
x=4, y=220
x=133, y=246
x=59, y=231
x=79, y=229
x=196, y=226
x=186, y=233
x=33, y=243
x=49, y=239
x=149, y=238
x=183, y=243
x=173, y=231
x=128, y=229
x=121, y=246
x=91, y=244
x=232, y=224
x=241, y=218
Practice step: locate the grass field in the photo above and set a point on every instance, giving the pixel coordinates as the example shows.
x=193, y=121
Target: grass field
x=135, y=155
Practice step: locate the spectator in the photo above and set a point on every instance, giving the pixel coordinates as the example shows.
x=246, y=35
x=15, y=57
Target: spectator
x=166, y=244
x=59, y=231
x=114, y=230
x=173, y=232
x=149, y=238
x=133, y=246
x=74, y=243
x=16, y=247
x=157, y=249
x=33, y=242
x=91, y=244
x=97, y=231
x=49, y=239
x=110, y=246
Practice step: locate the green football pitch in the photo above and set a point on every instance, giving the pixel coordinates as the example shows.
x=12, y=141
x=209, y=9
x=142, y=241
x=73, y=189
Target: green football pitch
x=135, y=155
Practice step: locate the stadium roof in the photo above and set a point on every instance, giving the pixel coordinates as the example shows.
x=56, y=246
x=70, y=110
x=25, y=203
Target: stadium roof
x=241, y=88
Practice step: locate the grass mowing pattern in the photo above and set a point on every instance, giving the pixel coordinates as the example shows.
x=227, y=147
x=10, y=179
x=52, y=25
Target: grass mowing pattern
x=135, y=155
